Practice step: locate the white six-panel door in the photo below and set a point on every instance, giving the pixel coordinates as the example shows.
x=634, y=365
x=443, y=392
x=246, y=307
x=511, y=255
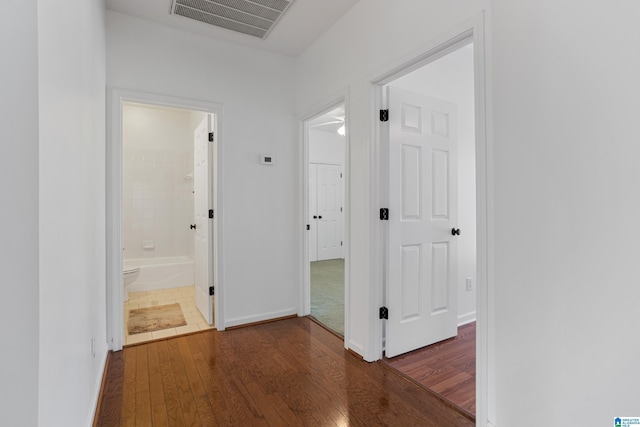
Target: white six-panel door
x=203, y=253
x=325, y=211
x=329, y=211
x=421, y=281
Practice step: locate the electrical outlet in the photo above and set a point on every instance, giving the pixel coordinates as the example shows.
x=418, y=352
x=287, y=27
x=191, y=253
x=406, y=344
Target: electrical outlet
x=469, y=284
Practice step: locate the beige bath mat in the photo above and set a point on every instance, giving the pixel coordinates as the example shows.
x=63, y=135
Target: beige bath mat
x=156, y=318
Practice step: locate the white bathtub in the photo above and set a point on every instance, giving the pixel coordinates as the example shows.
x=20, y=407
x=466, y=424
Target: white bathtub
x=161, y=273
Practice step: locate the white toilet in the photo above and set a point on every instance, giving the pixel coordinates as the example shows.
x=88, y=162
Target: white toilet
x=130, y=276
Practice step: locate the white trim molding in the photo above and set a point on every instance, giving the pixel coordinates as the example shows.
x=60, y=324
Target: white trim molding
x=247, y=320
x=115, y=291
x=303, y=170
x=464, y=319
x=97, y=389
x=472, y=31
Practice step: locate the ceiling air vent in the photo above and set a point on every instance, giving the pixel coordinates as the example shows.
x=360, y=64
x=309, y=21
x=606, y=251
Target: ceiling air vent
x=255, y=18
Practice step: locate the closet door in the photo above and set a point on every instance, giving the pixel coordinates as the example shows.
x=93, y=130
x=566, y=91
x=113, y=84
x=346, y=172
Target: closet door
x=325, y=211
x=423, y=214
x=329, y=211
x=313, y=212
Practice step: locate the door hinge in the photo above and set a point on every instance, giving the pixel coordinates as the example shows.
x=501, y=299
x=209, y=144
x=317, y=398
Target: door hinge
x=212, y=290
x=384, y=214
x=308, y=227
x=341, y=243
x=340, y=209
x=384, y=313
x=210, y=136
x=384, y=115
x=210, y=213
x=340, y=174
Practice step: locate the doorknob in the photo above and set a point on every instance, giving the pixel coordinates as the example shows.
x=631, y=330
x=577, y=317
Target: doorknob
x=455, y=231
x=319, y=216
x=192, y=226
x=315, y=217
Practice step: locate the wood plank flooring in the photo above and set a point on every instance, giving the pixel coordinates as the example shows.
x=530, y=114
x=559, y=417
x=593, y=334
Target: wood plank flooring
x=447, y=368
x=287, y=373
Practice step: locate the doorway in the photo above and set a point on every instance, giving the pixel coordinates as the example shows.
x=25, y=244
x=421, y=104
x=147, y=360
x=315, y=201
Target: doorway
x=431, y=243
x=162, y=173
x=166, y=194
x=326, y=148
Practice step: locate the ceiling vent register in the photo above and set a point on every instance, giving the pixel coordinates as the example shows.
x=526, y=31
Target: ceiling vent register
x=255, y=18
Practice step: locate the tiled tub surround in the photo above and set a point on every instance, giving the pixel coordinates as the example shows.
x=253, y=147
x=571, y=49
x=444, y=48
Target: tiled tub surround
x=184, y=296
x=157, y=182
x=157, y=205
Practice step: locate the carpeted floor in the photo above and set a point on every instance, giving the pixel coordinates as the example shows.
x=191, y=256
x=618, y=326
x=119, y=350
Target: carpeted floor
x=327, y=293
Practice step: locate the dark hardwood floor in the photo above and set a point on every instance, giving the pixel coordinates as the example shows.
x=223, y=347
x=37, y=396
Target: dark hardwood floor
x=286, y=373
x=447, y=368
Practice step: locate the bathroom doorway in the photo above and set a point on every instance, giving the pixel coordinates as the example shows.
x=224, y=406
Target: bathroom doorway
x=115, y=199
x=167, y=257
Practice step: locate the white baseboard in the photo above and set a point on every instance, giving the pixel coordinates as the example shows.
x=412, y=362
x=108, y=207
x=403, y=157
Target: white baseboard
x=96, y=391
x=238, y=321
x=356, y=347
x=463, y=319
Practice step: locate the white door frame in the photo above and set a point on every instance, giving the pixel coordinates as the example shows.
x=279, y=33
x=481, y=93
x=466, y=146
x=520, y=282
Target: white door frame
x=473, y=31
x=304, y=270
x=115, y=290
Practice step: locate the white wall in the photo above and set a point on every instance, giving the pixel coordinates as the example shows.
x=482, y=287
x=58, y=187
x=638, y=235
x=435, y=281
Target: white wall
x=564, y=93
x=258, y=210
x=326, y=147
x=72, y=209
x=370, y=38
x=157, y=199
x=19, y=214
x=451, y=78
x=567, y=144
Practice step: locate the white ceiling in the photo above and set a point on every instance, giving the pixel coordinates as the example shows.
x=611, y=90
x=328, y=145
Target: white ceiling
x=300, y=26
x=329, y=121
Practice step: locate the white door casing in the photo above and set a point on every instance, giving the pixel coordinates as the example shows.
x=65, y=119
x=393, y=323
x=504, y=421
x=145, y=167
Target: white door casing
x=203, y=251
x=421, y=274
x=326, y=211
